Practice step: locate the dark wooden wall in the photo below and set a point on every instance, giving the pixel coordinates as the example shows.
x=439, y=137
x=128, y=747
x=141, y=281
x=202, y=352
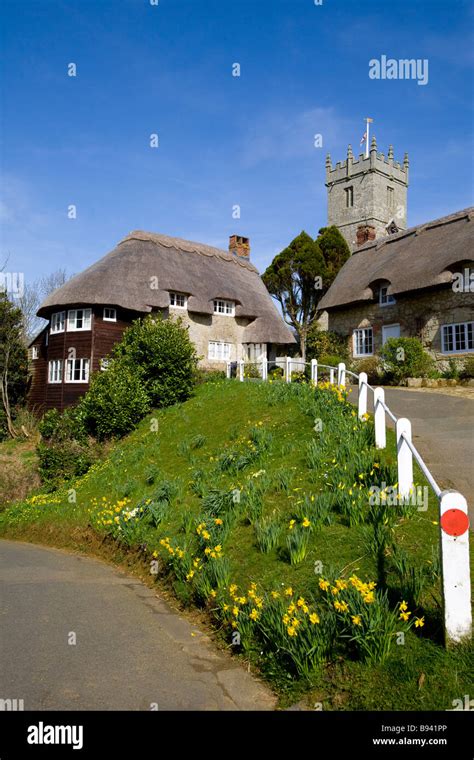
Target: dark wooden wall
x=94, y=344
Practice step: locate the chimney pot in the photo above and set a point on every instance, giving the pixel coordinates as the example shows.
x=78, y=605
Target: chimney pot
x=239, y=246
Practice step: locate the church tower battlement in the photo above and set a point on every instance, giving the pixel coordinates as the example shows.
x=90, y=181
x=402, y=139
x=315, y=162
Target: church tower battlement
x=367, y=196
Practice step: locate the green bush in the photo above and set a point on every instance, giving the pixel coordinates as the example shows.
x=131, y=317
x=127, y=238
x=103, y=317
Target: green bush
x=371, y=366
x=323, y=343
x=65, y=450
x=115, y=402
x=60, y=461
x=161, y=353
x=405, y=357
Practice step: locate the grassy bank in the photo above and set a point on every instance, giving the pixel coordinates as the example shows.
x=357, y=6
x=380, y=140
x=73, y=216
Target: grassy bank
x=250, y=500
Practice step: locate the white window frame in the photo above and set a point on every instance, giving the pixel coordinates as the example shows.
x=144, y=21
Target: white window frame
x=175, y=296
x=72, y=320
x=224, y=308
x=112, y=314
x=452, y=328
x=356, y=343
x=55, y=371
x=84, y=365
x=219, y=351
x=34, y=352
x=58, y=321
x=385, y=299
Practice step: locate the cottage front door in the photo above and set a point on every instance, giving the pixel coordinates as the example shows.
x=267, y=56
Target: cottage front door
x=390, y=331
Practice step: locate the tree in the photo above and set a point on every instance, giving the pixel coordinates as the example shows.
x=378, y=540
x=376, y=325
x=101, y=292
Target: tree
x=335, y=253
x=30, y=300
x=299, y=276
x=13, y=360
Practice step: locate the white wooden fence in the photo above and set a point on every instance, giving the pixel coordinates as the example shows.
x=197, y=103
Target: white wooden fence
x=453, y=514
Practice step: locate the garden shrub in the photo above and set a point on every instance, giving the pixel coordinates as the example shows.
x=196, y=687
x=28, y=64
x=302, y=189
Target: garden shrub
x=161, y=353
x=322, y=343
x=115, y=402
x=65, y=450
x=405, y=357
x=62, y=460
x=372, y=367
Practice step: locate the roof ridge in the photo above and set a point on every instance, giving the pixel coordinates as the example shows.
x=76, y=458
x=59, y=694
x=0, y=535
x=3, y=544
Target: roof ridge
x=188, y=246
x=417, y=229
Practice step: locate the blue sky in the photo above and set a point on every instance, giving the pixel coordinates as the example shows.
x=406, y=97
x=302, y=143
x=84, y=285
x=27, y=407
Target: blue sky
x=223, y=140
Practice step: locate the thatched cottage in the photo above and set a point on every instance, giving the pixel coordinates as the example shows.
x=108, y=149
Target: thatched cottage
x=219, y=295
x=417, y=282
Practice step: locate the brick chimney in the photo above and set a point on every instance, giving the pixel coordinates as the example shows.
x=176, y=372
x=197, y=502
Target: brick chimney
x=365, y=232
x=240, y=246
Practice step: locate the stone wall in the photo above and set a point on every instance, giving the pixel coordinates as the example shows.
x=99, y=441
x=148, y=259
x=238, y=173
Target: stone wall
x=419, y=316
x=204, y=328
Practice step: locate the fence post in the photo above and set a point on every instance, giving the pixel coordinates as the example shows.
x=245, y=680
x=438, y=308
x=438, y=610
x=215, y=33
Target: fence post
x=264, y=369
x=288, y=369
x=362, y=394
x=379, y=416
x=314, y=371
x=341, y=374
x=228, y=370
x=456, y=580
x=404, y=457
x=241, y=370
x=331, y=375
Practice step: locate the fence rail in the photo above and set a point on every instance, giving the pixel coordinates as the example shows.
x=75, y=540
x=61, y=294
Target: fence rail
x=453, y=513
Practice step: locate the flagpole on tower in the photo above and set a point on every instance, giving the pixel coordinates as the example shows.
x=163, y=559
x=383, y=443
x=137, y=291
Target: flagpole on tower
x=367, y=140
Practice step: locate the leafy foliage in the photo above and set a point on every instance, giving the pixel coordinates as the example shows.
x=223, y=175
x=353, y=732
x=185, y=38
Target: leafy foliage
x=405, y=357
x=115, y=402
x=13, y=363
x=160, y=352
x=299, y=276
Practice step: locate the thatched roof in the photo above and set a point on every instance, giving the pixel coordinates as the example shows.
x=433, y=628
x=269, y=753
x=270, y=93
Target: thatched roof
x=420, y=257
x=144, y=267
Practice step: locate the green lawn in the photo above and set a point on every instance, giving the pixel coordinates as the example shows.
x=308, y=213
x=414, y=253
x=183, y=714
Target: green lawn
x=248, y=454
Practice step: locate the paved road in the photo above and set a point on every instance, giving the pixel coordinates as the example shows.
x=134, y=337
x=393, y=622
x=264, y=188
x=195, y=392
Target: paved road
x=443, y=432
x=131, y=649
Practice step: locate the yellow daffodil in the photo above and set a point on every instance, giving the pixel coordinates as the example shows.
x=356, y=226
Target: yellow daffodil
x=419, y=622
x=314, y=618
x=254, y=614
x=356, y=619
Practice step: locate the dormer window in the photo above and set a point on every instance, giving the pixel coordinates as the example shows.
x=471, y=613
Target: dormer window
x=227, y=308
x=110, y=315
x=57, y=321
x=385, y=298
x=34, y=352
x=178, y=300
